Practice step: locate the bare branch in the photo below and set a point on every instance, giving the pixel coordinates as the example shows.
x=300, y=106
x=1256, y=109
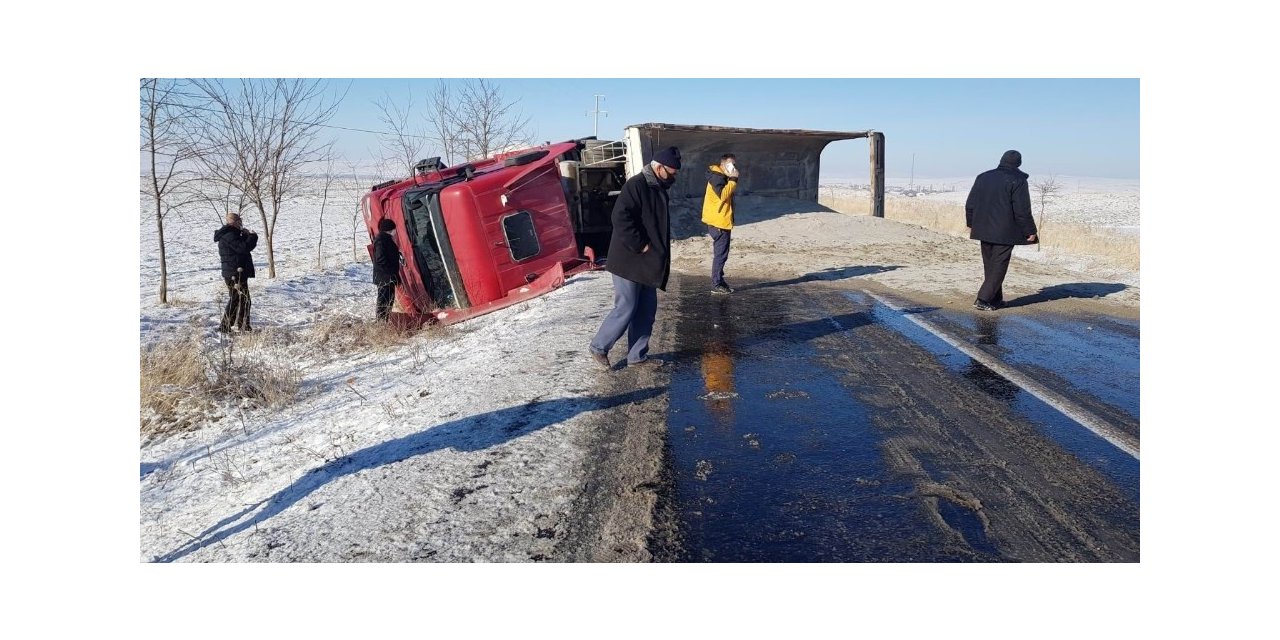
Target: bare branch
x=168, y=151
x=406, y=137
x=479, y=121
x=1046, y=190
x=260, y=137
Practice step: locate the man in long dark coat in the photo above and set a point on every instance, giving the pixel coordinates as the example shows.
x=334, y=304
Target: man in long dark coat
x=639, y=259
x=998, y=213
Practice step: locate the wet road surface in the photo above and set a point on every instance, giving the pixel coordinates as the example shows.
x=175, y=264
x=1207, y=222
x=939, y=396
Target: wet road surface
x=813, y=421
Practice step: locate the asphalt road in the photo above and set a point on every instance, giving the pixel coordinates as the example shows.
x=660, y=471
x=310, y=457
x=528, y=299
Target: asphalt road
x=816, y=421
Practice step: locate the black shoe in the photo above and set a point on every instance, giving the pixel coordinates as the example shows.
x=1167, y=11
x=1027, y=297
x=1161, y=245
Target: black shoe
x=601, y=359
x=722, y=288
x=982, y=306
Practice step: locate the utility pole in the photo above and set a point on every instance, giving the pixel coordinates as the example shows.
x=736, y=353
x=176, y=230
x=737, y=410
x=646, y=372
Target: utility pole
x=876, y=140
x=596, y=131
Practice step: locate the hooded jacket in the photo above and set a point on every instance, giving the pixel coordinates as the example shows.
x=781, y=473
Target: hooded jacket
x=717, y=203
x=234, y=247
x=998, y=209
x=640, y=217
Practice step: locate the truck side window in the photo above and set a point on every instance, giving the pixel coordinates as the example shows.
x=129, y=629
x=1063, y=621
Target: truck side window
x=522, y=239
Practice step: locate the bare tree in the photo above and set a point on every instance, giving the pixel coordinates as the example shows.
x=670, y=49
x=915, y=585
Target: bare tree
x=484, y=122
x=405, y=137
x=1046, y=190
x=357, y=190
x=441, y=116
x=215, y=197
x=168, y=149
x=261, y=138
x=328, y=178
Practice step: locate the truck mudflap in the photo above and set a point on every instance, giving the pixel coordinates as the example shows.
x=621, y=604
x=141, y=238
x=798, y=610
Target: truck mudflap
x=549, y=280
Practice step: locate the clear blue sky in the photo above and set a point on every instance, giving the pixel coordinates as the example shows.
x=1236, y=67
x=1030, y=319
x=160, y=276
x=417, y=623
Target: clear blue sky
x=955, y=127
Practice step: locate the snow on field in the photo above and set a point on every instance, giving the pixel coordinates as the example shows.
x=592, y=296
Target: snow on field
x=305, y=288
x=461, y=445
x=457, y=445
x=1094, y=202
x=448, y=449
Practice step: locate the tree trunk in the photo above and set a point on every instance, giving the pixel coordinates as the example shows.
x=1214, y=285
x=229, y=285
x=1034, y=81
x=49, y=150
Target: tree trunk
x=1040, y=227
x=324, y=200
x=271, y=256
x=164, y=268
x=266, y=234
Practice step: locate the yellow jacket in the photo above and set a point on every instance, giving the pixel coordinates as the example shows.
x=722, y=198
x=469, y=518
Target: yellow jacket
x=717, y=204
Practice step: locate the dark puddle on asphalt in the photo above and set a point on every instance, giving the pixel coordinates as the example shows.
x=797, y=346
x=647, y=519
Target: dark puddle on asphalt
x=1118, y=466
x=1093, y=355
x=775, y=461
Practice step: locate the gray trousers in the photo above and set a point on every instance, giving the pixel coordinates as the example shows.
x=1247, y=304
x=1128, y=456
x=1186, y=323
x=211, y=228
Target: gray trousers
x=720, y=239
x=634, y=308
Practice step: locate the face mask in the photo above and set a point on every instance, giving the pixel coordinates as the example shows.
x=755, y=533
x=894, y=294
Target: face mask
x=665, y=182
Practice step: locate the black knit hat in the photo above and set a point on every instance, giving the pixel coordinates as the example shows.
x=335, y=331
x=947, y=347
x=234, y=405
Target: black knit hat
x=386, y=224
x=669, y=157
x=1011, y=158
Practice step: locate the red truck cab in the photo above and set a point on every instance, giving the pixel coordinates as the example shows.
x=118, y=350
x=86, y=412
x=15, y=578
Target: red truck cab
x=480, y=236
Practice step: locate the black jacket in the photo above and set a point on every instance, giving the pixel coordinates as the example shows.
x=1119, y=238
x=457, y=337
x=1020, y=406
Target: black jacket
x=640, y=217
x=234, y=247
x=998, y=209
x=386, y=259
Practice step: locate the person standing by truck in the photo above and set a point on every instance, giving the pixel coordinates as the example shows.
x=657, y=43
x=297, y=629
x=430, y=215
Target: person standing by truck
x=639, y=259
x=386, y=267
x=717, y=214
x=235, y=247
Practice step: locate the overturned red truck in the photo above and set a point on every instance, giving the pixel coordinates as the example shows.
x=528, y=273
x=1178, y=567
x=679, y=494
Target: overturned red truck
x=481, y=236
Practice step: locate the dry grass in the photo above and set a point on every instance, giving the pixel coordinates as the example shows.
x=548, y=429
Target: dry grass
x=174, y=381
x=348, y=334
x=186, y=380
x=1114, y=248
x=845, y=204
x=192, y=379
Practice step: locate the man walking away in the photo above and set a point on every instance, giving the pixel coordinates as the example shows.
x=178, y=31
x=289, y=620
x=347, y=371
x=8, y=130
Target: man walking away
x=235, y=244
x=639, y=259
x=998, y=213
x=386, y=267
x=717, y=214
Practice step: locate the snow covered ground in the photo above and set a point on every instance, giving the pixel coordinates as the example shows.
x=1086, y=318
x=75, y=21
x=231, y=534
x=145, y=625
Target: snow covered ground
x=1095, y=202
x=468, y=444
x=457, y=445
x=456, y=449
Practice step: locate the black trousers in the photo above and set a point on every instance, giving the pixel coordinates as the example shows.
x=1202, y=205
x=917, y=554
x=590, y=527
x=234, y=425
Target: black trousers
x=995, y=264
x=720, y=240
x=386, y=298
x=237, y=312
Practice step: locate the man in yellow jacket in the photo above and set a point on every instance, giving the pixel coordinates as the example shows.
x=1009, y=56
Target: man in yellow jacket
x=717, y=214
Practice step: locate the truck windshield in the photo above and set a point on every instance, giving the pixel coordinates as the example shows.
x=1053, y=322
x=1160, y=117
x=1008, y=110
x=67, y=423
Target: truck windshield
x=431, y=249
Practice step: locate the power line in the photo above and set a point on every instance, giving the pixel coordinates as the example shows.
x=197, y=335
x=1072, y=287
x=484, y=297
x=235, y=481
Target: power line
x=314, y=124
